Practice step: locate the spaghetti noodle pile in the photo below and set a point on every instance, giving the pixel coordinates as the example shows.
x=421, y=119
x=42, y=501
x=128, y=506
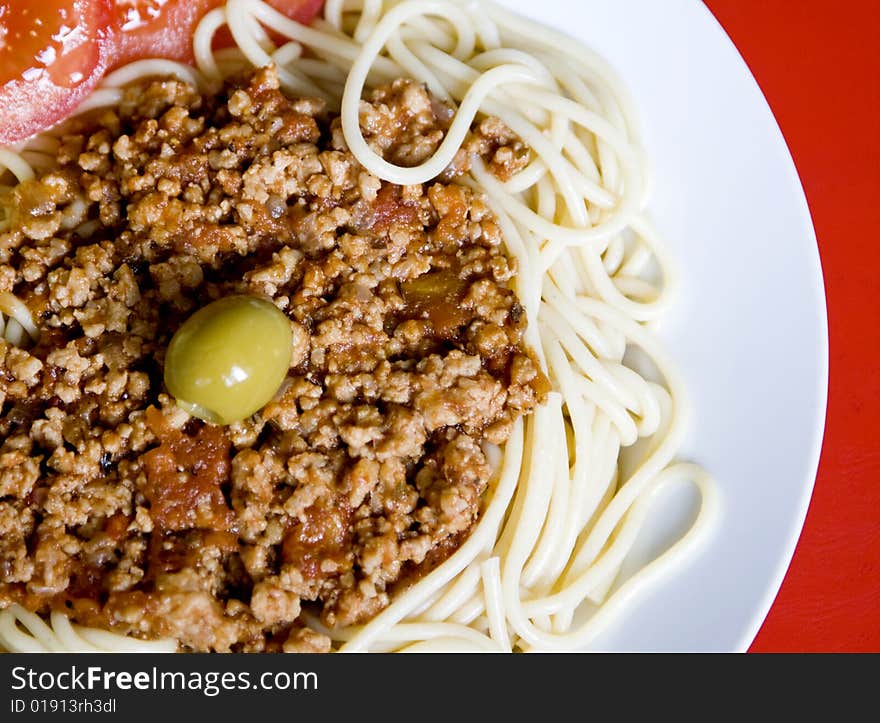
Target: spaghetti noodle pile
x=576, y=479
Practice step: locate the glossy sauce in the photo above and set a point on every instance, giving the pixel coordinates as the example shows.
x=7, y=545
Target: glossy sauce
x=184, y=475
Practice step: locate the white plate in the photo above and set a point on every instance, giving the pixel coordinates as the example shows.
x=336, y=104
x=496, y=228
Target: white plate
x=749, y=329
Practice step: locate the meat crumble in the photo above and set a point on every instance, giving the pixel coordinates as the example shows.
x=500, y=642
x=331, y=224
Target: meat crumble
x=366, y=469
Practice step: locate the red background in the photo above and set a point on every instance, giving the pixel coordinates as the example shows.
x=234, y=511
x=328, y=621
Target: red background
x=818, y=63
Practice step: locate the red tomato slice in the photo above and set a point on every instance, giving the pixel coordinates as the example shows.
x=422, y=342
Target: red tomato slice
x=164, y=28
x=52, y=53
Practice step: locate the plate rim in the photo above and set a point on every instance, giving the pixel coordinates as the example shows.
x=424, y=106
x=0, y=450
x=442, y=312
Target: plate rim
x=803, y=229
x=820, y=422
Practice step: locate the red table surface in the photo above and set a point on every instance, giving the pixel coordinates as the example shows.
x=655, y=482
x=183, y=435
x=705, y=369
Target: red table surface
x=818, y=63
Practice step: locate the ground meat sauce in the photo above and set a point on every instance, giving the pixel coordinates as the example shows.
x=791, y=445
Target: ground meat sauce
x=363, y=473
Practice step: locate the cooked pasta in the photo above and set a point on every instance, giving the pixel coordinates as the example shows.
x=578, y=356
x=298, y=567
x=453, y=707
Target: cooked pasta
x=540, y=569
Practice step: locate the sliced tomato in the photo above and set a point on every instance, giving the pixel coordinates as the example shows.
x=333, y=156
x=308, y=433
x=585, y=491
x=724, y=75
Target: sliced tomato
x=52, y=53
x=164, y=28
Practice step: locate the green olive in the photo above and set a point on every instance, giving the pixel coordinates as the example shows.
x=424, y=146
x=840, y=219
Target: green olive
x=229, y=358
